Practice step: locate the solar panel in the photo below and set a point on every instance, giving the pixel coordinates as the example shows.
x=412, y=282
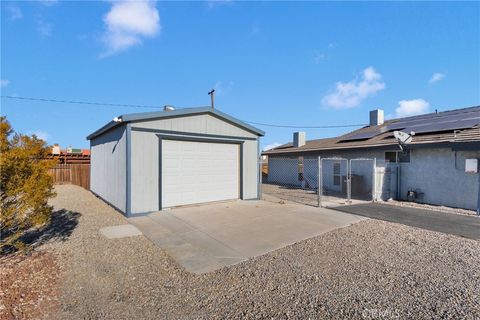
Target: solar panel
x=435, y=122
x=444, y=126
x=362, y=135
x=442, y=122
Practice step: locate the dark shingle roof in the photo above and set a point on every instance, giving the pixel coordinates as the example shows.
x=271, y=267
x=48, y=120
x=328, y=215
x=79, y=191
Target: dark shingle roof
x=383, y=134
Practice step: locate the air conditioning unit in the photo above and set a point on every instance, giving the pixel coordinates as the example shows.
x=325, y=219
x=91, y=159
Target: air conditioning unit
x=471, y=165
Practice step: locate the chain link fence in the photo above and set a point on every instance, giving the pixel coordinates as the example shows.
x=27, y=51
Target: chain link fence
x=292, y=179
x=341, y=181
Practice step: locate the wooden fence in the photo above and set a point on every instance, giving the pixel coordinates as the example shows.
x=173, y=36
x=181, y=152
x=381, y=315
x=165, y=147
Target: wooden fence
x=72, y=173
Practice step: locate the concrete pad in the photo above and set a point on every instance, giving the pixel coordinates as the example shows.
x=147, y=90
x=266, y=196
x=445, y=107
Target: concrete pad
x=205, y=238
x=121, y=231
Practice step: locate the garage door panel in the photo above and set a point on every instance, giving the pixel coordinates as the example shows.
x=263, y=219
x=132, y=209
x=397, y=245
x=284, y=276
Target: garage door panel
x=196, y=172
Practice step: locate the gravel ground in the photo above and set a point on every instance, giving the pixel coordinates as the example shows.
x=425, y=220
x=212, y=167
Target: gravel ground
x=29, y=285
x=371, y=270
x=308, y=197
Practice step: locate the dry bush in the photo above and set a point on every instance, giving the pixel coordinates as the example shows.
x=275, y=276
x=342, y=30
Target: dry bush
x=25, y=186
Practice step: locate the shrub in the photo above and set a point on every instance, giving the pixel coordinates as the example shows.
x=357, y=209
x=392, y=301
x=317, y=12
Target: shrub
x=25, y=186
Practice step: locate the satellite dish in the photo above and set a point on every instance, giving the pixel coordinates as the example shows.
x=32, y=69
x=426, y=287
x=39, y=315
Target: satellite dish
x=402, y=138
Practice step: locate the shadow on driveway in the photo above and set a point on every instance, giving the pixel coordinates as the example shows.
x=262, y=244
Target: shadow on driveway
x=459, y=225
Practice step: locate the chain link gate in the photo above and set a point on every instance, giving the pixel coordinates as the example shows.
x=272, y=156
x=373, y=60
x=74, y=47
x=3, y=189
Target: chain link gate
x=292, y=179
x=334, y=182
x=362, y=179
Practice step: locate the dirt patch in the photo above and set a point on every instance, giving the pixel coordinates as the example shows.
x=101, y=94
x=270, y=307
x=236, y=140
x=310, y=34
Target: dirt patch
x=29, y=285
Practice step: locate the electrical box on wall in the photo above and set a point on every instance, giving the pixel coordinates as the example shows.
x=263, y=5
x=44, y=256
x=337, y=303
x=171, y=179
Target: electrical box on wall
x=471, y=165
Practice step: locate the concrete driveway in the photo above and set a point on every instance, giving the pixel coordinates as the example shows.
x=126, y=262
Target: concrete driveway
x=208, y=237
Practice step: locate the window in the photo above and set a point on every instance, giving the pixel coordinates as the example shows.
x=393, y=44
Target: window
x=391, y=156
x=404, y=156
x=400, y=156
x=336, y=173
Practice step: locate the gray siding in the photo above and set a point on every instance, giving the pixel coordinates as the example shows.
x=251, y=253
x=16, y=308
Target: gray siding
x=442, y=178
x=145, y=156
x=144, y=172
x=108, y=167
x=205, y=123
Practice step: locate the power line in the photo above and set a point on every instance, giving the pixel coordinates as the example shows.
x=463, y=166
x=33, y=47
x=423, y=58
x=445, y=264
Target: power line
x=305, y=127
x=158, y=107
x=83, y=102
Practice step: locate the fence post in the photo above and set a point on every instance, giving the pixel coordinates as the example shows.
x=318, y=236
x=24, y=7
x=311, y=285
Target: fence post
x=349, y=181
x=260, y=177
x=374, y=181
x=319, y=182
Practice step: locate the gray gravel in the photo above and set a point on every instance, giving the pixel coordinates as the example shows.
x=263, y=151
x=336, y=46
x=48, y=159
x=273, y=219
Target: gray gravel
x=371, y=270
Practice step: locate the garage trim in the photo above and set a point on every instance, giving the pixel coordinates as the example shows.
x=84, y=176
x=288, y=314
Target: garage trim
x=193, y=138
x=193, y=134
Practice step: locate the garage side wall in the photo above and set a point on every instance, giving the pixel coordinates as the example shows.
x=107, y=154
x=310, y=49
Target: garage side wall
x=108, y=167
x=145, y=160
x=144, y=172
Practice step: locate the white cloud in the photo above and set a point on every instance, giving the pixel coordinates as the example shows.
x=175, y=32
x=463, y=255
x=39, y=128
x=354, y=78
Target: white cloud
x=319, y=57
x=127, y=22
x=15, y=13
x=413, y=107
x=436, y=77
x=41, y=135
x=215, y=3
x=351, y=94
x=222, y=88
x=4, y=83
x=271, y=146
x=44, y=28
x=48, y=3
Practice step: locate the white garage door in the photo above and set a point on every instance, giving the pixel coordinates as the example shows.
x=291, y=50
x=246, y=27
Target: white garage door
x=196, y=172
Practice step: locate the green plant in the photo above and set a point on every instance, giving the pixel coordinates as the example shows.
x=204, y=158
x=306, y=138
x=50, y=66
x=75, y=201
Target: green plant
x=25, y=185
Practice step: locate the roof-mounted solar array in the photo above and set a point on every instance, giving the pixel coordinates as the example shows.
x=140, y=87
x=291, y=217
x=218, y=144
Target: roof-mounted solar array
x=434, y=122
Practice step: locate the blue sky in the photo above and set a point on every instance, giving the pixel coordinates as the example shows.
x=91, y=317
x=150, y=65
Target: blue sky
x=307, y=63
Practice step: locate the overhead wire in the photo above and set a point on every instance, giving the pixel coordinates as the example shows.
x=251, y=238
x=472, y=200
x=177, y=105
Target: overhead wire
x=160, y=107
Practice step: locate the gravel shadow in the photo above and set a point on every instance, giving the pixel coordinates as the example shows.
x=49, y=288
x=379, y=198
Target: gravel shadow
x=61, y=226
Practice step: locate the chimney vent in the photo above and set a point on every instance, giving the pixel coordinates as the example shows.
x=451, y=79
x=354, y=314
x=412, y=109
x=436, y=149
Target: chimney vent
x=168, y=108
x=376, y=117
x=299, y=139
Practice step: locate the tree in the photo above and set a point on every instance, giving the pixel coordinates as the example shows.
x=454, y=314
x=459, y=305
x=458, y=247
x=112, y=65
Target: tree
x=25, y=185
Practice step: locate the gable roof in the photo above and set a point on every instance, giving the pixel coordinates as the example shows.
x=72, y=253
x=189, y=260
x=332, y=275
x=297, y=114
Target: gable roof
x=144, y=116
x=442, y=128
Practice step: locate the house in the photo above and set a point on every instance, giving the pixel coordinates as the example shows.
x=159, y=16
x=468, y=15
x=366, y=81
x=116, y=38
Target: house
x=150, y=161
x=438, y=166
x=69, y=155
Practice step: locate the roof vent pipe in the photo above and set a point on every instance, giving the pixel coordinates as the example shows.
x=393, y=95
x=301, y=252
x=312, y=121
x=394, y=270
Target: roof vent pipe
x=168, y=108
x=376, y=117
x=299, y=139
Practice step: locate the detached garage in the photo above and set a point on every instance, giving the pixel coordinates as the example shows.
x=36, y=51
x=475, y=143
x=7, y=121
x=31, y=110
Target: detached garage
x=147, y=162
